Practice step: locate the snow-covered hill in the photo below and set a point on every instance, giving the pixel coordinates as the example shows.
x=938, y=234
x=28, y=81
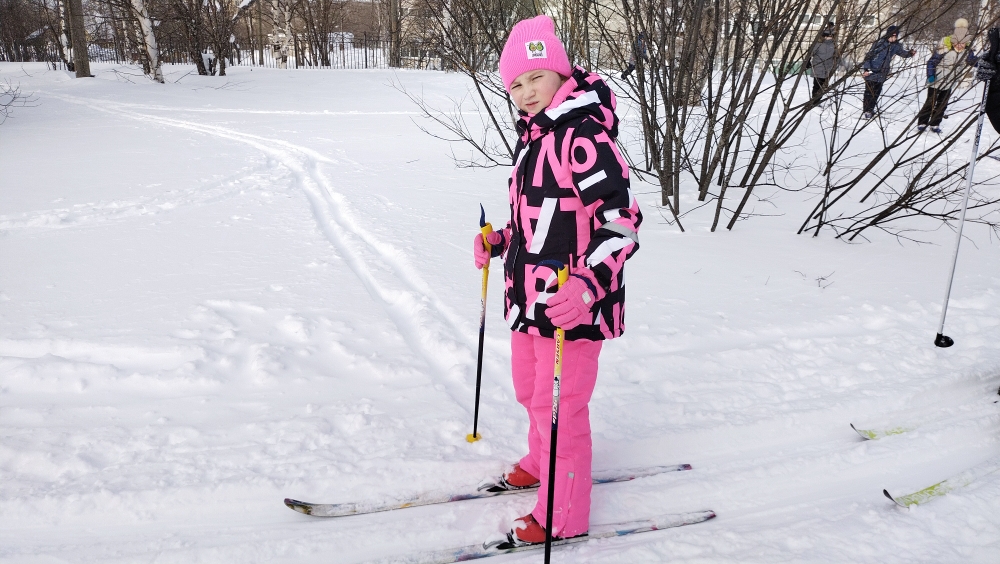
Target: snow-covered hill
x=221, y=292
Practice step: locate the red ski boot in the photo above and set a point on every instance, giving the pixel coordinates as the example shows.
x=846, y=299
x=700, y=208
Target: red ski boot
x=527, y=531
x=516, y=479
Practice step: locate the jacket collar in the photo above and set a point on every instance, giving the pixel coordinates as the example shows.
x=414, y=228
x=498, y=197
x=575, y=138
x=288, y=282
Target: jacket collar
x=583, y=94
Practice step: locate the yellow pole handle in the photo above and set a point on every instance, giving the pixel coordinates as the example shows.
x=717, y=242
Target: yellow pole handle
x=562, y=277
x=487, y=229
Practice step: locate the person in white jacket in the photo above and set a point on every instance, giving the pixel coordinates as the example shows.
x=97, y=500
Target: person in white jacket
x=952, y=62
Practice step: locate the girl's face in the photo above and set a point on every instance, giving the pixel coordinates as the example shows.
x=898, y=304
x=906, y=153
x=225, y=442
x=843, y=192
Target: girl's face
x=532, y=92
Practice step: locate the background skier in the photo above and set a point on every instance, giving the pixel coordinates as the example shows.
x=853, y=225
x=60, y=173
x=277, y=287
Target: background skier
x=944, y=71
x=570, y=202
x=639, y=50
x=878, y=64
x=822, y=62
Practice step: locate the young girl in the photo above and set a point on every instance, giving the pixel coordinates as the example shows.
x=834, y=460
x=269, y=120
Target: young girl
x=570, y=203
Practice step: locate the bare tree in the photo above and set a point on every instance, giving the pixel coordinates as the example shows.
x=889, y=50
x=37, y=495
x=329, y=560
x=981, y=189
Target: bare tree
x=81, y=60
x=392, y=20
x=11, y=97
x=322, y=19
x=716, y=83
x=905, y=181
x=190, y=16
x=220, y=19
x=152, y=52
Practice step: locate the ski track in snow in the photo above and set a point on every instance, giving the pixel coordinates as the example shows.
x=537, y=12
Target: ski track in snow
x=243, y=111
x=423, y=319
x=96, y=213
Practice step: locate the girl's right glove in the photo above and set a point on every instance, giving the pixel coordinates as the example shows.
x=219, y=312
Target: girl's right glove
x=498, y=241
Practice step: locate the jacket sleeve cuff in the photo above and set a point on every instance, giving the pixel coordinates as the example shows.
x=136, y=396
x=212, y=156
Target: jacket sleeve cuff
x=590, y=279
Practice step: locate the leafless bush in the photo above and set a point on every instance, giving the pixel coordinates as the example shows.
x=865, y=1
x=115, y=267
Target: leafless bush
x=907, y=183
x=11, y=97
x=885, y=175
x=716, y=83
x=470, y=35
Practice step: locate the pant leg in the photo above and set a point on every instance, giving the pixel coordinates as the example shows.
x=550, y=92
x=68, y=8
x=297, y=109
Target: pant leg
x=571, y=509
x=868, y=100
x=872, y=91
x=940, y=105
x=818, y=85
x=924, y=115
x=522, y=361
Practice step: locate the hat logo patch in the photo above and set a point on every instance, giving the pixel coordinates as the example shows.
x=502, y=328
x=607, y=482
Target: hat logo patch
x=536, y=50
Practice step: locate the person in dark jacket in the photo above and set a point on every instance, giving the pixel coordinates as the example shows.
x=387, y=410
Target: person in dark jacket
x=822, y=62
x=877, y=65
x=638, y=51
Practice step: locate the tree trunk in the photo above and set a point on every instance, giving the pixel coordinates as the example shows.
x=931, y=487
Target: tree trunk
x=698, y=54
x=189, y=13
x=395, y=34
x=81, y=62
x=148, y=39
x=65, y=49
x=282, y=18
x=260, y=32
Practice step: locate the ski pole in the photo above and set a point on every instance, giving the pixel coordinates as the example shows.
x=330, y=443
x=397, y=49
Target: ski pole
x=943, y=340
x=563, y=275
x=486, y=229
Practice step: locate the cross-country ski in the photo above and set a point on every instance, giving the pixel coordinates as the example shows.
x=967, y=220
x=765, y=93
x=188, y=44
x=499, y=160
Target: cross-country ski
x=507, y=545
x=983, y=471
x=487, y=488
x=875, y=434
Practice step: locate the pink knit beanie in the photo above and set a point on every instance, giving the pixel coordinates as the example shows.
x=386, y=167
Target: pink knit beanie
x=532, y=45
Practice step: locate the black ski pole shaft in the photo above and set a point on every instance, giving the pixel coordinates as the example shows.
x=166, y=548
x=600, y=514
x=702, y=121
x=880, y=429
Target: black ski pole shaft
x=479, y=357
x=941, y=339
x=486, y=229
x=563, y=275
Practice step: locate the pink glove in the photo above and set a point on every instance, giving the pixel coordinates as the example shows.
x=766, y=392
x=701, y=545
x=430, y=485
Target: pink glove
x=571, y=305
x=498, y=244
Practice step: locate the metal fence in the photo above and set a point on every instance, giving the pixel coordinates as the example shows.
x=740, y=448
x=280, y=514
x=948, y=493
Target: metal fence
x=354, y=53
x=31, y=53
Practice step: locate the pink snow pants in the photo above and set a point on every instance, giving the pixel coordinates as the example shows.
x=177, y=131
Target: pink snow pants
x=533, y=363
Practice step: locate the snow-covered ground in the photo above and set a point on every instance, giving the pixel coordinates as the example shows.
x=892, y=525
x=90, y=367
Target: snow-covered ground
x=221, y=292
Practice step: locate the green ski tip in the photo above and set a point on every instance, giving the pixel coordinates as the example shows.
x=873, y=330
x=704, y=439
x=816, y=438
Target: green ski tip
x=873, y=434
x=924, y=495
x=941, y=488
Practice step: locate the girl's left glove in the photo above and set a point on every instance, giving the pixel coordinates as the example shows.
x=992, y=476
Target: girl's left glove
x=572, y=305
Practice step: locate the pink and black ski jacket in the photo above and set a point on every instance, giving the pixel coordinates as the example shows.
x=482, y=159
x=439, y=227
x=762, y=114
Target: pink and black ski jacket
x=570, y=202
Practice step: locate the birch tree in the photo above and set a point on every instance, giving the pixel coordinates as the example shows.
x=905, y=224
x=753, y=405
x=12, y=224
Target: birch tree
x=191, y=19
x=148, y=39
x=220, y=15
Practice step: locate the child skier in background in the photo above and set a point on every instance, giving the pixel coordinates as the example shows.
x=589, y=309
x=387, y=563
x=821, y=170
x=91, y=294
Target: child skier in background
x=945, y=70
x=570, y=203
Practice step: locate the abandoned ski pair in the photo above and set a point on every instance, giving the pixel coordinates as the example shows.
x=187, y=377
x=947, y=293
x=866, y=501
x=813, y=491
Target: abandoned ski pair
x=570, y=206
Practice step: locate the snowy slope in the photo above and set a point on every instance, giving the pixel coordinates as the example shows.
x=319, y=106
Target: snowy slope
x=218, y=293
